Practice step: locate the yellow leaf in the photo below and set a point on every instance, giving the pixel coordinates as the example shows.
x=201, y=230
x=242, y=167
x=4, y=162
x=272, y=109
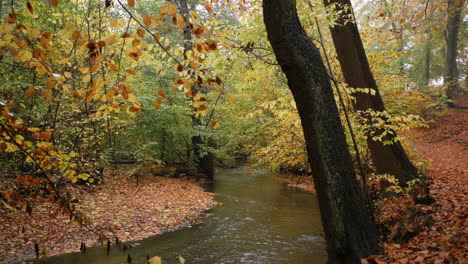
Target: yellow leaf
x=181, y=260
x=172, y=9
x=209, y=8
x=111, y=40
x=73, y=223
x=114, y=22
x=86, y=77
x=24, y=55
x=180, y=21
x=155, y=260
x=163, y=11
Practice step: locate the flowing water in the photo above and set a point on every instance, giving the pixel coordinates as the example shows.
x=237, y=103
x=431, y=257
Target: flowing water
x=261, y=220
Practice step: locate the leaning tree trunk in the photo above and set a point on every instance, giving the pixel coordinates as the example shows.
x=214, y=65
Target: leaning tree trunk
x=387, y=159
x=349, y=230
x=204, y=162
x=450, y=72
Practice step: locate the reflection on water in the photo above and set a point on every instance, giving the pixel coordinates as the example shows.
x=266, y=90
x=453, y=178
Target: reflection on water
x=260, y=221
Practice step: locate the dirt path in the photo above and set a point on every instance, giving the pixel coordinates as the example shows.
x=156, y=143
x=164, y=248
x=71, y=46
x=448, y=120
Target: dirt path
x=445, y=146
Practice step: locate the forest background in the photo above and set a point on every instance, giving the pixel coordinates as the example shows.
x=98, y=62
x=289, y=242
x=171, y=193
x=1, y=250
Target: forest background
x=91, y=83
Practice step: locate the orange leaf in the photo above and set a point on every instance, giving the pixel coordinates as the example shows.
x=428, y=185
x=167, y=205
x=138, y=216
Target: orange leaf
x=161, y=92
x=193, y=65
x=178, y=81
x=54, y=2
x=45, y=135
x=46, y=95
x=94, y=68
x=130, y=71
x=51, y=82
x=136, y=43
x=113, y=67
x=11, y=18
x=76, y=35
x=172, y=9
x=30, y=92
x=157, y=37
x=146, y=20
x=209, y=8
x=140, y=33
x=134, y=109
x=36, y=182
x=125, y=35
x=20, y=179
x=3, y=146
x=215, y=124
x=131, y=3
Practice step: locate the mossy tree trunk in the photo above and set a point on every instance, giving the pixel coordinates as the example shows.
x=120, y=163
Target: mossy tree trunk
x=427, y=61
x=204, y=161
x=387, y=159
x=451, y=73
x=348, y=227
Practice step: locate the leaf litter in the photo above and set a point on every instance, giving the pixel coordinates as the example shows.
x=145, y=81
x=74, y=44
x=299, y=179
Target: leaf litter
x=118, y=208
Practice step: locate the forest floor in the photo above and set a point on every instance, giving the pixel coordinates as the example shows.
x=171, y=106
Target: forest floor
x=443, y=234
x=118, y=208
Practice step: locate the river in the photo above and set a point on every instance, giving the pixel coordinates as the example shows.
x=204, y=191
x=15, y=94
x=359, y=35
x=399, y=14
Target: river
x=260, y=220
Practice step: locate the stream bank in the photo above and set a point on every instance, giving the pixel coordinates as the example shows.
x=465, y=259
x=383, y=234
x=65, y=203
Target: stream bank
x=118, y=207
x=260, y=220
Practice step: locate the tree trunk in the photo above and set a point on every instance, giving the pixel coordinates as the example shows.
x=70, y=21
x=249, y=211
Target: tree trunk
x=387, y=159
x=204, y=162
x=450, y=72
x=348, y=227
x=427, y=61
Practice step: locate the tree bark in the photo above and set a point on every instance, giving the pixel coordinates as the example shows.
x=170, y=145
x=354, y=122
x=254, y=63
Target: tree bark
x=387, y=159
x=204, y=162
x=348, y=227
x=450, y=72
x=427, y=61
